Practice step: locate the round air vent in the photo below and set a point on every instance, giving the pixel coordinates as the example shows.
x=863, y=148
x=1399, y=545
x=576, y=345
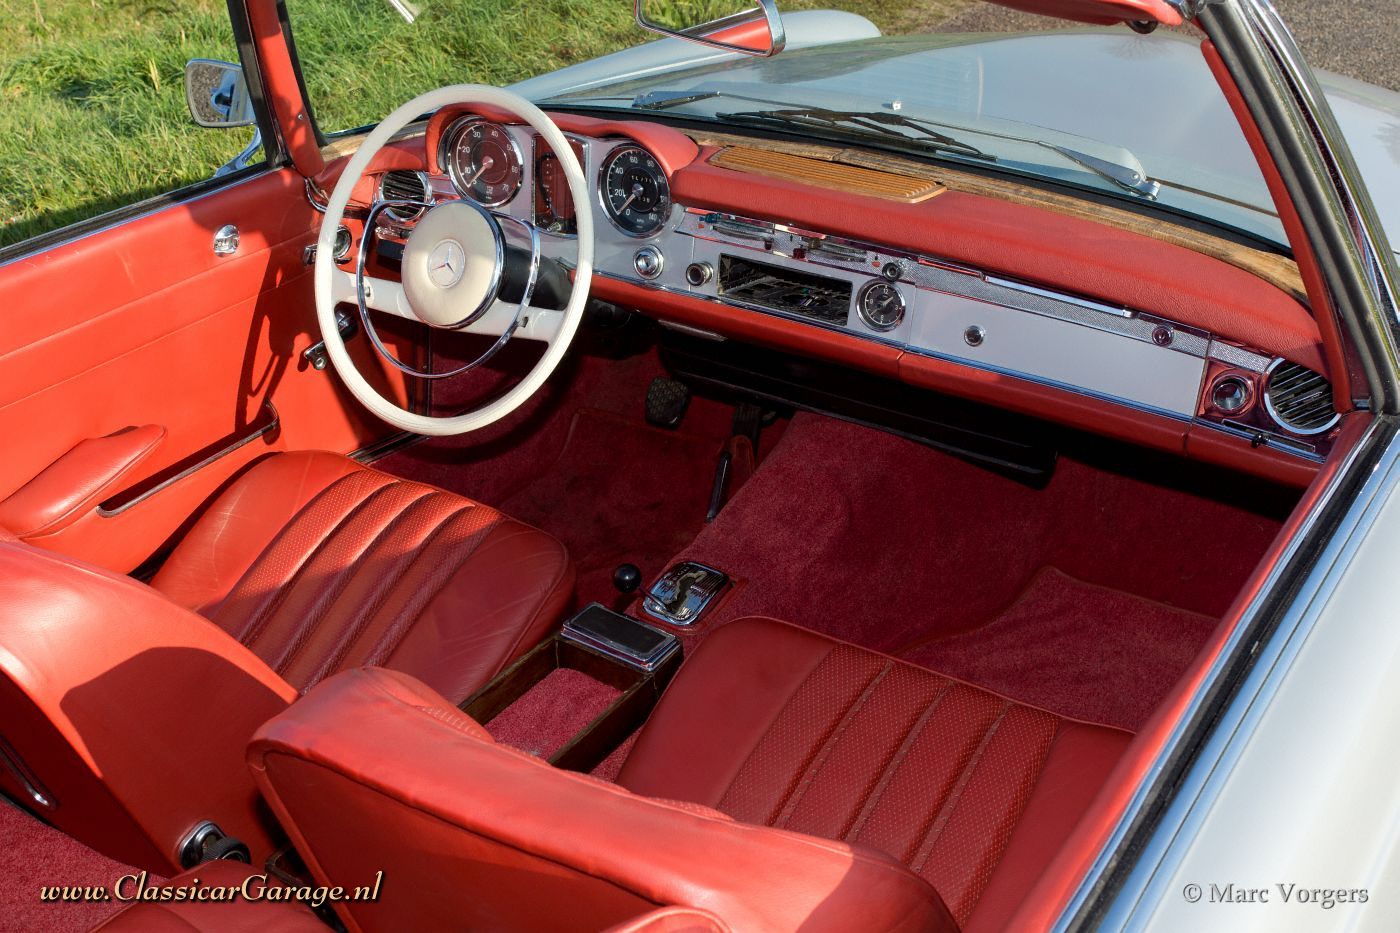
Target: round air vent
x=1299, y=399
x=403, y=185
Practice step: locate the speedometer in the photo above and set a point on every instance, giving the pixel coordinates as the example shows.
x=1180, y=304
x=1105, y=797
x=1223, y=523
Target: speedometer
x=483, y=161
x=635, y=191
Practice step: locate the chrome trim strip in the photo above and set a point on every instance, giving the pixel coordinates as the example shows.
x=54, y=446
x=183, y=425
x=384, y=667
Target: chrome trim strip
x=21, y=772
x=116, y=505
x=1240, y=358
x=933, y=274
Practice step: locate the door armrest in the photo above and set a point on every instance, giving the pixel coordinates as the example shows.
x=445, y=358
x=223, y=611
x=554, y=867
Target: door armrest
x=76, y=482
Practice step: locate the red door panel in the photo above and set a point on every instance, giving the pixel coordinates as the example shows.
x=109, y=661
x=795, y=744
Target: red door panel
x=142, y=324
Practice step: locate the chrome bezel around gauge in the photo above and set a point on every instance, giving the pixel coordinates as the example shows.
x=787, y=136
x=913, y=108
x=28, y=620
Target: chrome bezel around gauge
x=539, y=151
x=865, y=317
x=664, y=213
x=449, y=141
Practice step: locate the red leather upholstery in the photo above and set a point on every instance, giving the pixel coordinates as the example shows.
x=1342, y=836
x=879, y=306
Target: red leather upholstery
x=674, y=920
x=486, y=837
x=77, y=481
x=223, y=916
x=319, y=564
x=133, y=713
x=780, y=726
x=125, y=711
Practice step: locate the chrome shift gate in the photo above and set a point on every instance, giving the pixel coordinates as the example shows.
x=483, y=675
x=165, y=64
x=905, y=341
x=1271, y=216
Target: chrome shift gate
x=683, y=593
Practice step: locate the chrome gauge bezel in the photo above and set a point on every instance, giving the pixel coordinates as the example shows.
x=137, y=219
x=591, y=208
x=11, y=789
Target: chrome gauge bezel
x=450, y=136
x=866, y=318
x=664, y=213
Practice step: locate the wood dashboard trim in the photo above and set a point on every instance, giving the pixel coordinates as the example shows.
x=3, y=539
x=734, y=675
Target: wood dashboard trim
x=1278, y=270
x=904, y=186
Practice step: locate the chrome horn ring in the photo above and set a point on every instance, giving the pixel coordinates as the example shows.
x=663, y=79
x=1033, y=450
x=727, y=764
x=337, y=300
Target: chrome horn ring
x=491, y=297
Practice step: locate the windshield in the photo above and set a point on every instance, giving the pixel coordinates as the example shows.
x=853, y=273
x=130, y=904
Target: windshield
x=1122, y=115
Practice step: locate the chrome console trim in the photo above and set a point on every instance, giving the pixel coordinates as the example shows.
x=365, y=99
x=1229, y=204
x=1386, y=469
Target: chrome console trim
x=681, y=595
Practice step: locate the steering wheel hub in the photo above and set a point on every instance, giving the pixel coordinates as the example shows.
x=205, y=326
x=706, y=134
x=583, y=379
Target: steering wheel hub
x=452, y=264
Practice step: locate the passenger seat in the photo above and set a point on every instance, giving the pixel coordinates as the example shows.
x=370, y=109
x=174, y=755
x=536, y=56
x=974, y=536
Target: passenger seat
x=785, y=781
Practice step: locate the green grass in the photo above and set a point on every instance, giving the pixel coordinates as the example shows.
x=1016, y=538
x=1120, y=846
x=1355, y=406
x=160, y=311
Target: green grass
x=92, y=107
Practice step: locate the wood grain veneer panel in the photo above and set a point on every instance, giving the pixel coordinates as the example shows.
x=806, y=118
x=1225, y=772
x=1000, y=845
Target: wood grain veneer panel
x=874, y=182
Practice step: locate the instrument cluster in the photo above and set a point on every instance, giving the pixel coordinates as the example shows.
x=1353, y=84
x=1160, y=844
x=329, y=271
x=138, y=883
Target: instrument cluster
x=485, y=162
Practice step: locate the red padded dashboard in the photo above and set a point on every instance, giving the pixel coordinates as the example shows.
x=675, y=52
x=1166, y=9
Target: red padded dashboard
x=1017, y=240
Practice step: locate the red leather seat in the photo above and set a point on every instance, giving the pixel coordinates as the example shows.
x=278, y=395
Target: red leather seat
x=372, y=770
x=318, y=563
x=777, y=725
x=126, y=715
x=820, y=755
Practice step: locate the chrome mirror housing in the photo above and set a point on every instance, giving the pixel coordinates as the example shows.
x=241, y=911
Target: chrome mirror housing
x=750, y=29
x=217, y=94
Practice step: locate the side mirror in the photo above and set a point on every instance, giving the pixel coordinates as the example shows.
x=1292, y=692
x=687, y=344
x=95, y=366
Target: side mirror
x=748, y=29
x=217, y=94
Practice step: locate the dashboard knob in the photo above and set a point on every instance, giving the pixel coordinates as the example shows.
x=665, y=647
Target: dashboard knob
x=699, y=273
x=648, y=262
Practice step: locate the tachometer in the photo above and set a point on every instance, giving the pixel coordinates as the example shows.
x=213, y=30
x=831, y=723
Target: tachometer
x=483, y=161
x=635, y=192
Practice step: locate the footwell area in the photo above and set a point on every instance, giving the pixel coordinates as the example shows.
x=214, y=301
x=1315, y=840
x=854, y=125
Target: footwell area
x=620, y=492
x=580, y=462
x=1088, y=597
x=1083, y=651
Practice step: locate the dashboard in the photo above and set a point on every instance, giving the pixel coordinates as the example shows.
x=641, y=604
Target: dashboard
x=896, y=299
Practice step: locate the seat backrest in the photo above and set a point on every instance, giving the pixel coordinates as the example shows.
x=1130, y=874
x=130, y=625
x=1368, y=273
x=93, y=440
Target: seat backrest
x=372, y=771
x=124, y=718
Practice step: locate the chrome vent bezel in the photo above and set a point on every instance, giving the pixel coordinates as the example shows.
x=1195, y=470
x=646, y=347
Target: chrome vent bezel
x=1306, y=408
x=423, y=192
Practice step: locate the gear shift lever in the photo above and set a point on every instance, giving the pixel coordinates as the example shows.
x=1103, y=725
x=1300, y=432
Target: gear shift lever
x=683, y=593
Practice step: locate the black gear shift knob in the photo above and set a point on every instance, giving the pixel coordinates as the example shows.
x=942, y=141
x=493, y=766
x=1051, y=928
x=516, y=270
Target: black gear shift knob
x=627, y=577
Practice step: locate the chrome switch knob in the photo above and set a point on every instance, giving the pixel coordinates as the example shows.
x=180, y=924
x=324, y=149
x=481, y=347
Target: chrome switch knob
x=648, y=262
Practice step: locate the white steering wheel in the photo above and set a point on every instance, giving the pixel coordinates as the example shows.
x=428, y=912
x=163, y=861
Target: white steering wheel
x=452, y=269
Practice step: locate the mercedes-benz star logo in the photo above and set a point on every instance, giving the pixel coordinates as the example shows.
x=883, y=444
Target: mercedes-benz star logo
x=446, y=263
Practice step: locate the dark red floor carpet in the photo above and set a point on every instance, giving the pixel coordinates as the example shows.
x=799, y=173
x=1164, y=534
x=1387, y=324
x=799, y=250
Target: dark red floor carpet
x=889, y=544
x=1084, y=651
x=1087, y=597
x=620, y=492
x=32, y=856
x=579, y=461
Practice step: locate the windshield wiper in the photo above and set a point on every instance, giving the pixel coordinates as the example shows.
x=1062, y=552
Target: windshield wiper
x=879, y=125
x=870, y=126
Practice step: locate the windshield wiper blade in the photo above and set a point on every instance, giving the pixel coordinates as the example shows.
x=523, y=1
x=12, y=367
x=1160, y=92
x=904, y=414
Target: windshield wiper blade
x=862, y=125
x=665, y=100
x=1123, y=176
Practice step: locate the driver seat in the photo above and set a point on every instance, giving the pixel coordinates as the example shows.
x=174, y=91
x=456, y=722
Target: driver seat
x=125, y=708
x=318, y=563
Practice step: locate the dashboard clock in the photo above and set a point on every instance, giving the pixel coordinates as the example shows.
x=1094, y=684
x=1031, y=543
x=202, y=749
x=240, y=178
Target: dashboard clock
x=880, y=305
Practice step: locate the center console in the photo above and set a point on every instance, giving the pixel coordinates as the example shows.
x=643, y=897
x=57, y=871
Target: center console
x=636, y=659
